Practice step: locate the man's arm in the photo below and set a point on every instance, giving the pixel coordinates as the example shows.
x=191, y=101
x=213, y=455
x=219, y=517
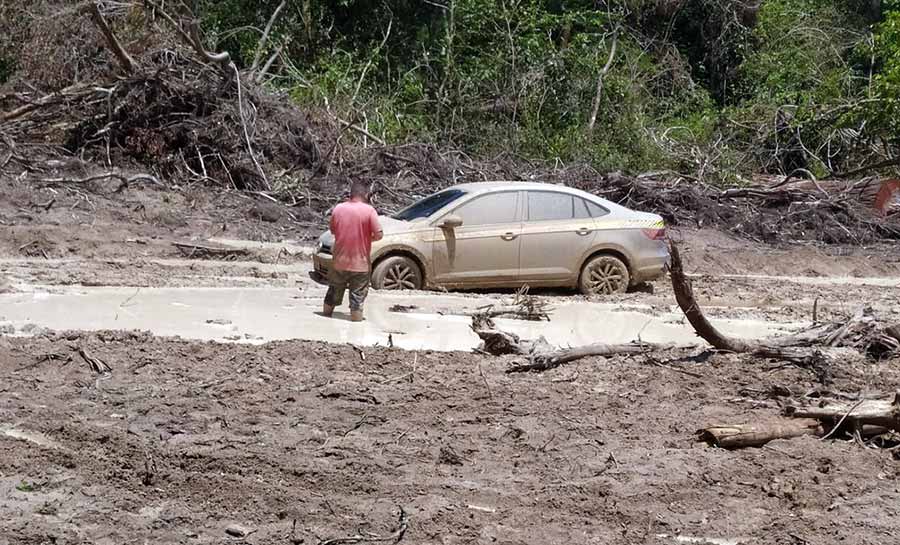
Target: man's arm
x=375, y=226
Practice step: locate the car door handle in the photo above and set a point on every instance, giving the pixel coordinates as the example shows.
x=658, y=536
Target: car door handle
x=583, y=231
x=509, y=236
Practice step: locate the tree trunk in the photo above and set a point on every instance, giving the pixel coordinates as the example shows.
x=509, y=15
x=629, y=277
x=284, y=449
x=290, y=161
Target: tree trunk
x=550, y=360
x=868, y=412
x=684, y=295
x=757, y=435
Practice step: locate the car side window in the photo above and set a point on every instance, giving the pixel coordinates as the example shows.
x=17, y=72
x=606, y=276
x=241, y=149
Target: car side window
x=595, y=210
x=550, y=205
x=490, y=209
x=581, y=209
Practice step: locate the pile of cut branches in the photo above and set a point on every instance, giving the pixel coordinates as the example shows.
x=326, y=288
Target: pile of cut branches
x=174, y=109
x=833, y=212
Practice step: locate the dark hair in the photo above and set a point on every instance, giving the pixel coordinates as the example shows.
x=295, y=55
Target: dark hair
x=360, y=189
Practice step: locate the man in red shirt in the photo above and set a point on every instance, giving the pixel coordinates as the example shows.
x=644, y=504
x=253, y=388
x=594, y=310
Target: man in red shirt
x=355, y=226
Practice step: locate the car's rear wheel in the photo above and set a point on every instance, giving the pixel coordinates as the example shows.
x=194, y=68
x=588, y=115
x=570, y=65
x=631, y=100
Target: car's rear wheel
x=397, y=273
x=604, y=275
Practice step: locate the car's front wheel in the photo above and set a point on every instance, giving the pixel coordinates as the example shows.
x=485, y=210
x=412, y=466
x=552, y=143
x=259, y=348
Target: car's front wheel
x=397, y=273
x=604, y=275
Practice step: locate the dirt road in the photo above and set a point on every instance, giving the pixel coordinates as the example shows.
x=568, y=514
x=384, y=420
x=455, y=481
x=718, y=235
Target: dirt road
x=239, y=427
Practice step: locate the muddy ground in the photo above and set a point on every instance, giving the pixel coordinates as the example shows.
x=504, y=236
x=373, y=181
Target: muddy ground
x=303, y=441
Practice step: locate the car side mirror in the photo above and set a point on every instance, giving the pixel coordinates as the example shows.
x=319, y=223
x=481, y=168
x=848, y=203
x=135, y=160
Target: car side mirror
x=451, y=222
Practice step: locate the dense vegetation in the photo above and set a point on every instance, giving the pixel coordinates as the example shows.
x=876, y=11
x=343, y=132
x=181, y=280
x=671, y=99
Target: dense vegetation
x=716, y=89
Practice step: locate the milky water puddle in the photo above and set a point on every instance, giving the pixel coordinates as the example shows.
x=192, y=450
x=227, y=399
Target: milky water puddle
x=257, y=315
x=884, y=282
x=13, y=432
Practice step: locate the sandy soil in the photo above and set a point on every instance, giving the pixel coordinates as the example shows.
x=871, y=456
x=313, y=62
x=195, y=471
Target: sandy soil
x=299, y=442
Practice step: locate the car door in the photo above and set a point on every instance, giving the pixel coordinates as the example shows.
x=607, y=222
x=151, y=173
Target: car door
x=557, y=234
x=484, y=250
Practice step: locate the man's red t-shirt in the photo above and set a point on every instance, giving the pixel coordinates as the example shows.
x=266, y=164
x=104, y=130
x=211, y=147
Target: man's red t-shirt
x=353, y=224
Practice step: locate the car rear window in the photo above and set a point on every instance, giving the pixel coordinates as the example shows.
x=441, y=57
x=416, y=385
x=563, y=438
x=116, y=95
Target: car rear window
x=594, y=209
x=429, y=205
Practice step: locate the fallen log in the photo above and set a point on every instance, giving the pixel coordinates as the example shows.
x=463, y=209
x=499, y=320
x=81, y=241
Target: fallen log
x=193, y=250
x=814, y=348
x=809, y=347
x=757, y=435
x=551, y=360
x=841, y=415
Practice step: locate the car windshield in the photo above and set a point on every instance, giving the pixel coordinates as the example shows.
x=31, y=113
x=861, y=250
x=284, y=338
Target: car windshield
x=429, y=205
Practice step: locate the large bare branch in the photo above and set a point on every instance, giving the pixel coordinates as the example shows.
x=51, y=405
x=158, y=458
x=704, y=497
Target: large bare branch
x=193, y=39
x=172, y=22
x=223, y=59
x=595, y=106
x=684, y=295
x=265, y=69
x=262, y=173
x=114, y=44
x=265, y=37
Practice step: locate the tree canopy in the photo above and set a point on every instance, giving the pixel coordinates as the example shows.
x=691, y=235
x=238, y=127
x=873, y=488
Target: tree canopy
x=717, y=88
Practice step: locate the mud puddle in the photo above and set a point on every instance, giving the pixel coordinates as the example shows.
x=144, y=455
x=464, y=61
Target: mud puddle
x=7, y=430
x=883, y=282
x=258, y=315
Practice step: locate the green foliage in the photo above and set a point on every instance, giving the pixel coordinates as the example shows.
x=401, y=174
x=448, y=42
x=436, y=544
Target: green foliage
x=801, y=54
x=694, y=85
x=885, y=114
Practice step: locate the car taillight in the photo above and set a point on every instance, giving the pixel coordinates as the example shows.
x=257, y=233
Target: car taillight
x=655, y=234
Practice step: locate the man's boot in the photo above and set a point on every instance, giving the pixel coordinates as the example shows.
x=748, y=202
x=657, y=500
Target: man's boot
x=327, y=310
x=356, y=315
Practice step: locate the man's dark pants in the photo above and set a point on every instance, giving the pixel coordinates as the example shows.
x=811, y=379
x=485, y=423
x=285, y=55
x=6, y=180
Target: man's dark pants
x=341, y=281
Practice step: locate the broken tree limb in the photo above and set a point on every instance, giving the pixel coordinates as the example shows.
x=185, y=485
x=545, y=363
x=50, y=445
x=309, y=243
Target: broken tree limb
x=96, y=364
x=684, y=295
x=126, y=180
x=394, y=537
x=265, y=37
x=262, y=173
x=156, y=9
x=223, y=59
x=840, y=414
x=266, y=67
x=808, y=347
x=598, y=94
x=360, y=130
x=814, y=348
x=757, y=435
x=114, y=44
x=192, y=250
x=551, y=360
x=72, y=90
x=862, y=418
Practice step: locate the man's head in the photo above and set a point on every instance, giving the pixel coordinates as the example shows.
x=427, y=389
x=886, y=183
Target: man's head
x=359, y=191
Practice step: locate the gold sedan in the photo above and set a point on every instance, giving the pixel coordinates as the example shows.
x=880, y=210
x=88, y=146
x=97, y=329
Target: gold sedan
x=513, y=234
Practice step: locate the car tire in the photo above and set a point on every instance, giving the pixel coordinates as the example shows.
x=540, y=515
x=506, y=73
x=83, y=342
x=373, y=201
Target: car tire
x=397, y=273
x=604, y=275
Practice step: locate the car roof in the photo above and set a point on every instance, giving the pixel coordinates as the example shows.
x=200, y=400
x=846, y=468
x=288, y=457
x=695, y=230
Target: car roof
x=487, y=187
x=483, y=187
